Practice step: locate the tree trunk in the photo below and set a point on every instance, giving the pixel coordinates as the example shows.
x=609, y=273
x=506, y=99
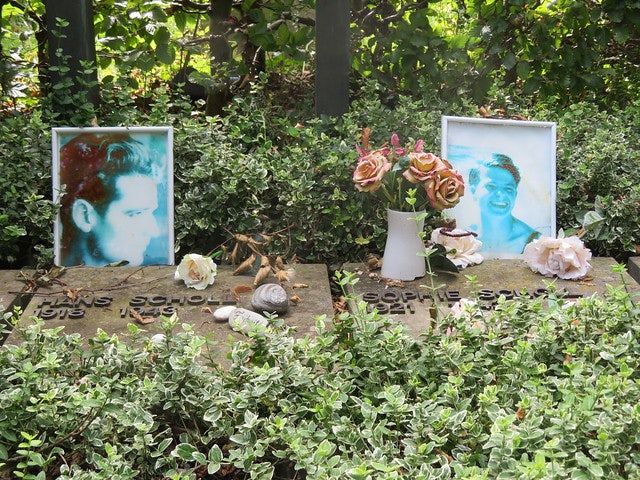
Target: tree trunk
x=220, y=52
x=72, y=45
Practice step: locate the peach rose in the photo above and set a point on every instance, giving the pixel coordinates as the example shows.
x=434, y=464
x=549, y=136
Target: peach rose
x=196, y=271
x=421, y=164
x=444, y=188
x=566, y=258
x=370, y=170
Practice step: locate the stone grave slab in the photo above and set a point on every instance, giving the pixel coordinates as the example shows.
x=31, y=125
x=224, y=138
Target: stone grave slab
x=634, y=268
x=12, y=293
x=410, y=302
x=110, y=298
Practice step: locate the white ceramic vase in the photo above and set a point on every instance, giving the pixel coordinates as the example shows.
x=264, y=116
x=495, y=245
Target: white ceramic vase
x=402, y=259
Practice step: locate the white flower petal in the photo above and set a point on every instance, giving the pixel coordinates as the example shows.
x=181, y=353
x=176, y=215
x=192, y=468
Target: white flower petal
x=566, y=258
x=196, y=271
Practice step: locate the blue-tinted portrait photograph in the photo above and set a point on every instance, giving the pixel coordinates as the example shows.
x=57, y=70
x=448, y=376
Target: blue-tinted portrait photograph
x=115, y=191
x=509, y=171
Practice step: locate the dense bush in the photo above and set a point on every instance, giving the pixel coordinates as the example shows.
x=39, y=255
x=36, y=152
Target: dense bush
x=535, y=389
x=263, y=169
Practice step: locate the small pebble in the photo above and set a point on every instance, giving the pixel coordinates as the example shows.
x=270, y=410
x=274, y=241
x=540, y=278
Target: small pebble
x=245, y=321
x=158, y=338
x=222, y=314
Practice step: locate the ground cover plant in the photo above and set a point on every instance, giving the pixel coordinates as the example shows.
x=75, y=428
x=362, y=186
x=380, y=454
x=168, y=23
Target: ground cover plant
x=541, y=388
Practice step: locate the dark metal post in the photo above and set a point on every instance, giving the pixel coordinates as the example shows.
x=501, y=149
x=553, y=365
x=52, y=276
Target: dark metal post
x=332, y=57
x=76, y=41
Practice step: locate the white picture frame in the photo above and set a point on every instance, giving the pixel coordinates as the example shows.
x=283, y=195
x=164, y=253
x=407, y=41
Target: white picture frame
x=114, y=187
x=471, y=145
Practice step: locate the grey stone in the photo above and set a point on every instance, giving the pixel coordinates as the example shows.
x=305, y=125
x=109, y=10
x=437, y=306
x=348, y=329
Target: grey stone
x=634, y=268
x=245, y=321
x=411, y=304
x=14, y=293
x=222, y=314
x=108, y=296
x=270, y=298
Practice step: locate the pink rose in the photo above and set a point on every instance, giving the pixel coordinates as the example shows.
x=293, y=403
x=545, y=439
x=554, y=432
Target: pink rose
x=566, y=258
x=444, y=188
x=370, y=170
x=420, y=166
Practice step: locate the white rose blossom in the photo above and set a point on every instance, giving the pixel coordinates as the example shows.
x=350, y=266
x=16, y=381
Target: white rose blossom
x=196, y=271
x=463, y=245
x=566, y=258
x=463, y=308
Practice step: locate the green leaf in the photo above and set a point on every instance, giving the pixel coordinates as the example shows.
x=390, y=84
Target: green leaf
x=166, y=53
x=509, y=61
x=185, y=451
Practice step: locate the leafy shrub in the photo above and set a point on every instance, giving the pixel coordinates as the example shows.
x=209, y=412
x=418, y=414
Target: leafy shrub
x=536, y=389
x=263, y=169
x=597, y=170
x=26, y=208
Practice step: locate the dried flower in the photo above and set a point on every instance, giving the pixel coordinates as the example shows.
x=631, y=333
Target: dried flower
x=392, y=171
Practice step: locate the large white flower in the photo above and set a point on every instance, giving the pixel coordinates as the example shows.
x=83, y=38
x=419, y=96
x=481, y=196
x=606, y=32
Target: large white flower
x=462, y=246
x=565, y=258
x=196, y=271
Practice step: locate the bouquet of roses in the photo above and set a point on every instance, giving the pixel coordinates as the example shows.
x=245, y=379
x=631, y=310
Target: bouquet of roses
x=397, y=173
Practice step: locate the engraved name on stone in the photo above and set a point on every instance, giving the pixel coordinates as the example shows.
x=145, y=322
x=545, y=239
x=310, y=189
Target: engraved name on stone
x=403, y=302
x=50, y=308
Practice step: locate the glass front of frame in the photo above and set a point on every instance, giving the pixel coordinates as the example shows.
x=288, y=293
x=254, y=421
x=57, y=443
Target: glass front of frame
x=509, y=169
x=114, y=187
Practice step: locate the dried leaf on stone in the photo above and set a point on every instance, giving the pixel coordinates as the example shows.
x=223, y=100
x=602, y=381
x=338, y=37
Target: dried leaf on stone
x=299, y=285
x=280, y=263
x=73, y=293
x=240, y=289
x=142, y=320
x=295, y=299
x=282, y=276
x=263, y=271
x=246, y=265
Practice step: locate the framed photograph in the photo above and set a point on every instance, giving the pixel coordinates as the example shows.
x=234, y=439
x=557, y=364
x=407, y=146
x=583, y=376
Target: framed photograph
x=509, y=169
x=114, y=187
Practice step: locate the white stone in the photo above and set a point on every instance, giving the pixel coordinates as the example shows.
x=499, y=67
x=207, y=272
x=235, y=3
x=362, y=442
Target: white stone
x=222, y=314
x=245, y=321
x=158, y=338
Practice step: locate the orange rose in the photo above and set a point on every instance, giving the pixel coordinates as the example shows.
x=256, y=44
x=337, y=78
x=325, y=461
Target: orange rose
x=421, y=164
x=444, y=188
x=370, y=170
